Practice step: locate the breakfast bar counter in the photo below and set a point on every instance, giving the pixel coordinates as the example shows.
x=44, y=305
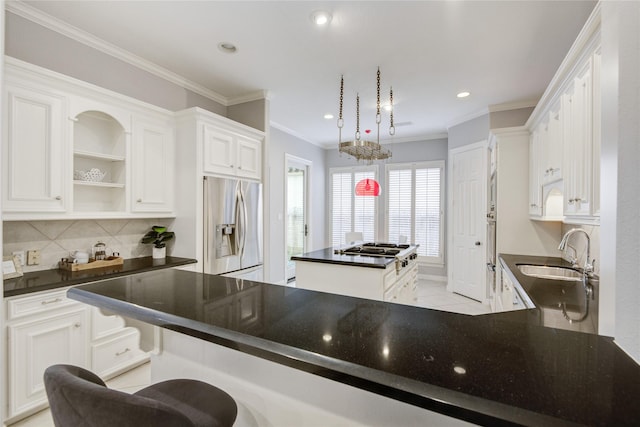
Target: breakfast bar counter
x=495, y=369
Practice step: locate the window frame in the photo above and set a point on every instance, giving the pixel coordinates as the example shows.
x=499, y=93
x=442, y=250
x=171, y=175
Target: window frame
x=430, y=164
x=353, y=170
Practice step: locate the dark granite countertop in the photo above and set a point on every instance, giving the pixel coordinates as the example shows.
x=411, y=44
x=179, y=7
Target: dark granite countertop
x=45, y=280
x=328, y=256
x=496, y=369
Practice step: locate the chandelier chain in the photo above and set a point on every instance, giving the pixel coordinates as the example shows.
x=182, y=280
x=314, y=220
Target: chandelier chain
x=358, y=116
x=391, y=104
x=378, y=92
x=340, y=121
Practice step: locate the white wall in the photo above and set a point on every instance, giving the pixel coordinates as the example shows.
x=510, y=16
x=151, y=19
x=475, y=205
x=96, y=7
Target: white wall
x=281, y=143
x=469, y=132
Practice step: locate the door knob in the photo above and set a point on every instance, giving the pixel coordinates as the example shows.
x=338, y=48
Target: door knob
x=478, y=243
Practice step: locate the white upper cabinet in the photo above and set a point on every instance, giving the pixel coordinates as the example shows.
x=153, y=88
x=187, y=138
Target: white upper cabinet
x=551, y=147
x=231, y=152
x=565, y=127
x=581, y=132
x=153, y=157
x=219, y=149
x=33, y=150
x=249, y=151
x=70, y=150
x=535, y=188
x=597, y=134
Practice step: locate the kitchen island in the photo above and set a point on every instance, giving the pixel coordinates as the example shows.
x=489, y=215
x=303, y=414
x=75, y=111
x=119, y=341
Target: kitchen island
x=368, y=362
x=382, y=273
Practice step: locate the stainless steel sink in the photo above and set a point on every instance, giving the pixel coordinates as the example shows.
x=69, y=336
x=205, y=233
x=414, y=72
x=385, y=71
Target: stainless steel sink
x=549, y=272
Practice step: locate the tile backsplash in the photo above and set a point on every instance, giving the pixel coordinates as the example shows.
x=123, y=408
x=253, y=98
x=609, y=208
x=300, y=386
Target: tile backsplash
x=55, y=239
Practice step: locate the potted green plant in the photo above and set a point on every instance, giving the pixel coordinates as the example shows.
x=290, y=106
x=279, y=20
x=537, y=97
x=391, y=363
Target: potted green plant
x=158, y=236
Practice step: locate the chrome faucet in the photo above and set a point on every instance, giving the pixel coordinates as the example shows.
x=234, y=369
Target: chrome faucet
x=588, y=264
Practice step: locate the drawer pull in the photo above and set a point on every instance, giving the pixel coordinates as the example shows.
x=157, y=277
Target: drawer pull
x=120, y=353
x=77, y=324
x=53, y=301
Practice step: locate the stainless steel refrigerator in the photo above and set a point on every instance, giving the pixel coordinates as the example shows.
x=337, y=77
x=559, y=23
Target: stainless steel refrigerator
x=233, y=228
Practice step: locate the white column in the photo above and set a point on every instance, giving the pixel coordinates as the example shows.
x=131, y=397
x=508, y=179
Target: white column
x=620, y=220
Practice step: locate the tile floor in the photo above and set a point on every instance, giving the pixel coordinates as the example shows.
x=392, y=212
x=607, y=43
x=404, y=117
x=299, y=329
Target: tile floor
x=434, y=294
x=431, y=294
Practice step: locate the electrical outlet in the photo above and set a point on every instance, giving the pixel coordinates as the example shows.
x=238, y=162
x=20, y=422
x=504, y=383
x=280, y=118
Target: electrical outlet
x=33, y=257
x=19, y=255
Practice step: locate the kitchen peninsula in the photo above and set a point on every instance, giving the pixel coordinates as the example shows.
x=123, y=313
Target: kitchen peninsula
x=286, y=352
x=378, y=271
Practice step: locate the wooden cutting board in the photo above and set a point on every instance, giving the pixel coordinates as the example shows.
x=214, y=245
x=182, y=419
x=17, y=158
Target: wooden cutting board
x=70, y=266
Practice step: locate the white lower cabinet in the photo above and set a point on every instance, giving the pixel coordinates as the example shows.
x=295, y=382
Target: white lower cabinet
x=38, y=343
x=361, y=282
x=113, y=354
x=47, y=328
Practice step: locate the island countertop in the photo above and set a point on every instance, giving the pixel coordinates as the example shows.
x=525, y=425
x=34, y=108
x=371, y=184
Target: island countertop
x=495, y=369
x=328, y=256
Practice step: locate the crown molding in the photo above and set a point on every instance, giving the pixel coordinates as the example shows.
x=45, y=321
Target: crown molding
x=35, y=15
x=294, y=133
x=512, y=106
x=417, y=138
x=253, y=96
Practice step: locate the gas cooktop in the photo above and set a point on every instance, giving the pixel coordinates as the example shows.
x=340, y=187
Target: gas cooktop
x=375, y=249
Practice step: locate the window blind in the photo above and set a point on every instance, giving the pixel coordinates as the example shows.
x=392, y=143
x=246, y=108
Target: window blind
x=414, y=207
x=350, y=212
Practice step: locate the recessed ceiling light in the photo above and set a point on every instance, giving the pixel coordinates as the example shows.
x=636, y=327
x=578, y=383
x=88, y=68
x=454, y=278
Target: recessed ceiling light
x=227, y=47
x=463, y=94
x=320, y=17
x=328, y=116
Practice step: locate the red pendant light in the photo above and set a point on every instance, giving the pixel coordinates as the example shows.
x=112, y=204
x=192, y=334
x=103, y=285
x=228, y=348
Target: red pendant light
x=367, y=187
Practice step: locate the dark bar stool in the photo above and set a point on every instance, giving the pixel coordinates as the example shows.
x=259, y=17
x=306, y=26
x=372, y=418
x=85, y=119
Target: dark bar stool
x=78, y=397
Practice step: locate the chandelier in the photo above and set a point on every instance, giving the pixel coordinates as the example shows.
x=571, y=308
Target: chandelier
x=359, y=148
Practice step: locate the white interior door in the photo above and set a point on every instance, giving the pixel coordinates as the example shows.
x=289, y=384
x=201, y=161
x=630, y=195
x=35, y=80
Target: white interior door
x=297, y=209
x=468, y=221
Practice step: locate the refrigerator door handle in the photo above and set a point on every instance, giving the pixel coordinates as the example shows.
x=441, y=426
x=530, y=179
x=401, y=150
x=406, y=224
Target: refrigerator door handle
x=237, y=220
x=242, y=222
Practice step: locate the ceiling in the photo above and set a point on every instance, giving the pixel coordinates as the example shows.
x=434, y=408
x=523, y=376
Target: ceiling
x=503, y=52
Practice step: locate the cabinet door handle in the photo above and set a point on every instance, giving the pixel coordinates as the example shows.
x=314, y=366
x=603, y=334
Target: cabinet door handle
x=53, y=301
x=139, y=200
x=120, y=353
x=77, y=325
x=58, y=197
x=478, y=243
